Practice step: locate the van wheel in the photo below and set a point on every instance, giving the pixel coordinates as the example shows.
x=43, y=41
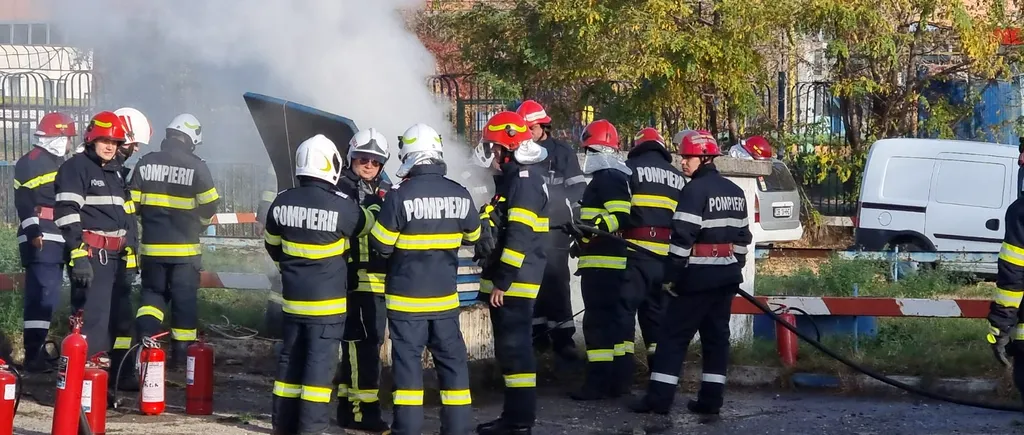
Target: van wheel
x=905, y=269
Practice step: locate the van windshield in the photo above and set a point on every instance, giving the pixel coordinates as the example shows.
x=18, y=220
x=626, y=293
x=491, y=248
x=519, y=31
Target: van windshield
x=780, y=179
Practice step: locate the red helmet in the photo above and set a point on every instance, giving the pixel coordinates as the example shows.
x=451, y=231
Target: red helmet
x=698, y=143
x=758, y=148
x=533, y=113
x=600, y=133
x=56, y=124
x=649, y=134
x=507, y=129
x=105, y=125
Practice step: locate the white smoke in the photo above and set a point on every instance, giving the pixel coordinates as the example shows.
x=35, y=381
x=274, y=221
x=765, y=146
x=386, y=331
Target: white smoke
x=355, y=58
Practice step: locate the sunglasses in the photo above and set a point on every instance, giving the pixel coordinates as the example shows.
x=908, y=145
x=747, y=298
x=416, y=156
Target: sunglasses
x=364, y=161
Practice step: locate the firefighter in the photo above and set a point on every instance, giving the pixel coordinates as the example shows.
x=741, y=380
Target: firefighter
x=176, y=198
x=553, y=320
x=364, y=330
x=307, y=234
x=1006, y=321
x=602, y=261
x=272, y=317
x=40, y=242
x=655, y=184
x=421, y=225
x=90, y=213
x=511, y=280
x=707, y=252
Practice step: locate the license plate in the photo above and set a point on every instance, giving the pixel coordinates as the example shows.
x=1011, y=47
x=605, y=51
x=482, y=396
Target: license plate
x=782, y=212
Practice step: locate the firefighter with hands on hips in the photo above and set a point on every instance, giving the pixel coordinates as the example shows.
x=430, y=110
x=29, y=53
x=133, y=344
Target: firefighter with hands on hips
x=358, y=404
x=1006, y=321
x=553, y=322
x=90, y=198
x=707, y=252
x=40, y=242
x=602, y=261
x=421, y=225
x=514, y=254
x=655, y=184
x=307, y=233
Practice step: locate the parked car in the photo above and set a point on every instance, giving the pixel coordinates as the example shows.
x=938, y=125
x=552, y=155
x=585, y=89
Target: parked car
x=777, y=200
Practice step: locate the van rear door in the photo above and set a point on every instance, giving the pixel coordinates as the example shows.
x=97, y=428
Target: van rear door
x=968, y=202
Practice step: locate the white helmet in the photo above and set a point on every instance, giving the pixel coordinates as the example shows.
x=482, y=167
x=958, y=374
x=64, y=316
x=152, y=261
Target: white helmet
x=189, y=125
x=369, y=142
x=137, y=126
x=419, y=143
x=318, y=157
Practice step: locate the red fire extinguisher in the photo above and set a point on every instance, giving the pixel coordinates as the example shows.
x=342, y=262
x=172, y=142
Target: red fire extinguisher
x=94, y=396
x=151, y=360
x=8, y=407
x=67, y=409
x=199, y=379
x=786, y=339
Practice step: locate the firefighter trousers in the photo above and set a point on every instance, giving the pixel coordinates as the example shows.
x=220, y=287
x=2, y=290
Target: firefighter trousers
x=514, y=353
x=359, y=375
x=43, y=282
x=122, y=319
x=643, y=299
x=706, y=312
x=601, y=288
x=444, y=340
x=305, y=371
x=176, y=284
x=96, y=300
x=552, y=316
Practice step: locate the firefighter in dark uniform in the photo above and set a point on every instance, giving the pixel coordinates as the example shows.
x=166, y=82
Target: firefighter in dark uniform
x=553, y=322
x=602, y=261
x=516, y=221
x=89, y=210
x=1006, y=321
x=40, y=242
x=655, y=184
x=358, y=403
x=307, y=232
x=176, y=198
x=421, y=225
x=706, y=256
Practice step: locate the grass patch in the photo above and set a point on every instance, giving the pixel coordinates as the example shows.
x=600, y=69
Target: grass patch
x=240, y=260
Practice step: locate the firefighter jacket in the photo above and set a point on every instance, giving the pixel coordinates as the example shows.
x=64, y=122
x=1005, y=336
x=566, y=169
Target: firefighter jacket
x=605, y=205
x=564, y=178
x=710, y=233
x=175, y=196
x=367, y=268
x=34, y=200
x=655, y=185
x=421, y=225
x=90, y=199
x=131, y=255
x=1004, y=311
x=307, y=233
x=521, y=217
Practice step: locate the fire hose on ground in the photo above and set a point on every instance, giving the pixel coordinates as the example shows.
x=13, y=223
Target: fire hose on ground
x=817, y=344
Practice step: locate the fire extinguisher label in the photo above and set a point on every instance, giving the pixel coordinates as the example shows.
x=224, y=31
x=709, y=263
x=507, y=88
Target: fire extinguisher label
x=153, y=384
x=62, y=365
x=10, y=392
x=190, y=371
x=62, y=381
x=87, y=396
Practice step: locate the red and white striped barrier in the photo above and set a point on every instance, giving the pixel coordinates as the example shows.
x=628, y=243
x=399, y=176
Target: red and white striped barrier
x=880, y=307
x=233, y=218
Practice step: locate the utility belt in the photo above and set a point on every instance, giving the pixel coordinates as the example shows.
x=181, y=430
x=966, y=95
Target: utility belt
x=711, y=250
x=45, y=213
x=99, y=242
x=648, y=234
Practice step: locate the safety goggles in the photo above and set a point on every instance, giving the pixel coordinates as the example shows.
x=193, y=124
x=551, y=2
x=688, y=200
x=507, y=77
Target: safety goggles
x=364, y=161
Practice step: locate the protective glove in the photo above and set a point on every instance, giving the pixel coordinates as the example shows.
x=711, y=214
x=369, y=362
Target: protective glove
x=574, y=248
x=672, y=268
x=572, y=230
x=999, y=340
x=484, y=247
x=81, y=272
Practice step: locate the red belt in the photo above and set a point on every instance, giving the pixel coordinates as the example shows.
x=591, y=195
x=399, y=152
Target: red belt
x=658, y=234
x=711, y=250
x=98, y=241
x=45, y=213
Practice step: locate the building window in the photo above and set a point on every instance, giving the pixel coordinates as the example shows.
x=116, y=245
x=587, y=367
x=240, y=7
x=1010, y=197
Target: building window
x=21, y=33
x=5, y=33
x=39, y=35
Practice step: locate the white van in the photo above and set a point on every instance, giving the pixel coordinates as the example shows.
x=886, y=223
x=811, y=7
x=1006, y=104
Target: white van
x=936, y=195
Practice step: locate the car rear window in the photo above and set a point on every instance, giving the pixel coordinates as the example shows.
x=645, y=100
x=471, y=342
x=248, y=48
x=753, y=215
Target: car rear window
x=780, y=179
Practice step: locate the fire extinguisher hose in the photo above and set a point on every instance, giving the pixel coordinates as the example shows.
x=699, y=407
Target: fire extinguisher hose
x=83, y=423
x=817, y=345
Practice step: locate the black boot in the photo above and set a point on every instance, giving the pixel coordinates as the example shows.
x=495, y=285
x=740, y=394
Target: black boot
x=179, y=352
x=499, y=427
x=38, y=364
x=369, y=419
x=697, y=407
x=125, y=376
x=642, y=406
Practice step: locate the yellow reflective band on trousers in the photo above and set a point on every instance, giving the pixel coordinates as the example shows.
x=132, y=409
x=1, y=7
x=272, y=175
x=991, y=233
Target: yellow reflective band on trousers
x=184, y=334
x=149, y=310
x=1012, y=254
x=1007, y=298
x=169, y=250
x=409, y=397
x=601, y=355
x=654, y=201
x=370, y=282
x=626, y=347
x=286, y=390
x=425, y=242
x=601, y=262
x=165, y=201
x=521, y=380
x=512, y=257
x=316, y=394
x=408, y=304
x=330, y=307
x=659, y=248
x=314, y=252
x=517, y=289
x=456, y=397
x=33, y=183
x=528, y=218
x=208, y=196
x=122, y=343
